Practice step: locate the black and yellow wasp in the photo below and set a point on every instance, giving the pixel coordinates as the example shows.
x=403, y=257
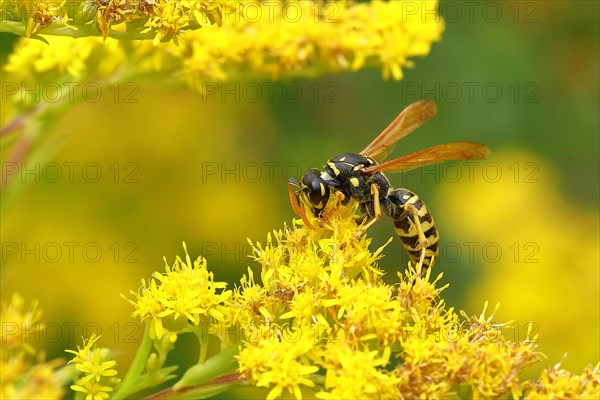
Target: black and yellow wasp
x=359, y=177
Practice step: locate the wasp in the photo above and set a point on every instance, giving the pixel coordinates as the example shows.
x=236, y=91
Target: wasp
x=358, y=177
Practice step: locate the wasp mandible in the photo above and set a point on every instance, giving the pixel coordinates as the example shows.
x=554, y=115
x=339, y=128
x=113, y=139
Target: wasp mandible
x=357, y=176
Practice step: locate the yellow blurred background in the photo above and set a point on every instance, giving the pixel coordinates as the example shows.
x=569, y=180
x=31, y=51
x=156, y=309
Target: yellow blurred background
x=520, y=228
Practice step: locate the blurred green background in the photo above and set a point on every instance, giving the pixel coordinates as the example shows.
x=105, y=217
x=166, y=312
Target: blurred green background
x=211, y=170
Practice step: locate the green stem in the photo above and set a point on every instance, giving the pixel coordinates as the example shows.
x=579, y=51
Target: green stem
x=19, y=28
x=219, y=385
x=20, y=119
x=203, y=351
x=220, y=364
x=126, y=387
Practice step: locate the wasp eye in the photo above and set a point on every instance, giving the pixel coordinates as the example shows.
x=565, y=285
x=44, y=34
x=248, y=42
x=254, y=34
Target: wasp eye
x=318, y=193
x=316, y=189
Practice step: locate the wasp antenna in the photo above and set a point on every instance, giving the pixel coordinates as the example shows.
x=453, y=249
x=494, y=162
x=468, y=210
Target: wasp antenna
x=294, y=182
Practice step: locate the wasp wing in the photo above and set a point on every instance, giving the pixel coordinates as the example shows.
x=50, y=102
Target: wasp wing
x=407, y=121
x=434, y=155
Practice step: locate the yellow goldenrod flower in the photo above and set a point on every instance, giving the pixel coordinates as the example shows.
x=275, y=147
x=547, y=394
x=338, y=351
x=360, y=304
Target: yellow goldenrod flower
x=321, y=290
x=95, y=369
x=96, y=365
x=353, y=374
x=40, y=381
x=368, y=312
x=321, y=319
x=93, y=390
x=82, y=353
x=103, y=17
x=472, y=353
x=19, y=326
x=185, y=294
x=258, y=40
x=171, y=19
x=280, y=362
x=23, y=374
x=43, y=15
x=367, y=338
x=557, y=383
x=64, y=57
x=321, y=37
x=534, y=250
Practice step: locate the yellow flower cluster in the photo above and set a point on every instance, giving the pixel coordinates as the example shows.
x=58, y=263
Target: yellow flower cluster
x=317, y=317
x=323, y=307
x=556, y=383
x=20, y=376
x=185, y=294
x=98, y=377
x=164, y=19
x=317, y=38
x=471, y=355
x=321, y=318
x=258, y=40
x=534, y=250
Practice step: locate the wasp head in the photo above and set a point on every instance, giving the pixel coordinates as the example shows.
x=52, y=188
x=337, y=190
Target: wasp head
x=314, y=188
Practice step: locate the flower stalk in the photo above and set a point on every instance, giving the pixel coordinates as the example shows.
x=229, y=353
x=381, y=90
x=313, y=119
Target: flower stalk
x=128, y=385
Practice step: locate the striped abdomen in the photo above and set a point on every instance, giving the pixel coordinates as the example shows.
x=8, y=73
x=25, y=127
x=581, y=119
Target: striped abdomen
x=402, y=214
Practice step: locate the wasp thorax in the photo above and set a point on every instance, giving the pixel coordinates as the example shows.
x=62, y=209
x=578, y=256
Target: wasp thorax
x=351, y=179
x=315, y=188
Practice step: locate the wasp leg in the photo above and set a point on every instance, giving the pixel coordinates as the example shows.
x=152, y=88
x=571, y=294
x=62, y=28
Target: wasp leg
x=376, y=208
x=297, y=207
x=360, y=219
x=422, y=239
x=339, y=199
